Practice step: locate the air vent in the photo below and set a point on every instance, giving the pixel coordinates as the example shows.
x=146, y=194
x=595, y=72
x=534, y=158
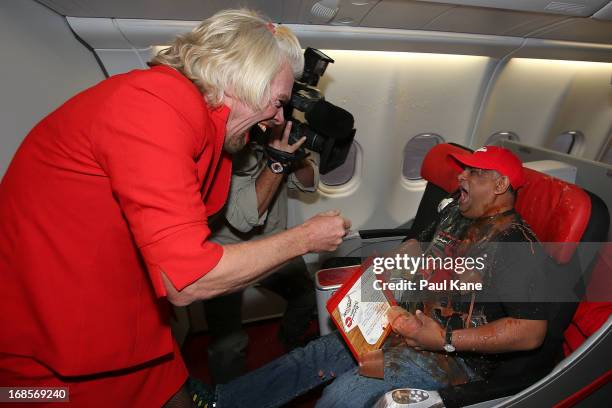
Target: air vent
x=325, y=9
x=567, y=8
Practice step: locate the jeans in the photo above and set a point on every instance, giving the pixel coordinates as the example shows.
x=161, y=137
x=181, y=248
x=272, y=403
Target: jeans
x=328, y=361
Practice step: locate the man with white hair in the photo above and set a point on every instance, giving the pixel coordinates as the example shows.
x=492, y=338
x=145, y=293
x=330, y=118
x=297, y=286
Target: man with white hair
x=104, y=214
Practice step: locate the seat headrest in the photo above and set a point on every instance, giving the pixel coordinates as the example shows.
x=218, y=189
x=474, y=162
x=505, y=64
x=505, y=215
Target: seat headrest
x=556, y=211
x=435, y=168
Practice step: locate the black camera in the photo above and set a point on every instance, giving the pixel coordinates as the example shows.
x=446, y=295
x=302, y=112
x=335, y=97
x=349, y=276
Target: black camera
x=328, y=128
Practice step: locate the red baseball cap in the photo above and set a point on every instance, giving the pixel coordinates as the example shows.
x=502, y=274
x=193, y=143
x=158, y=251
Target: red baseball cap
x=493, y=158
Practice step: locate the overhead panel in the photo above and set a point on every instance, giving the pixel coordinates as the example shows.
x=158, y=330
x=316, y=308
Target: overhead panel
x=71, y=8
x=480, y=20
x=295, y=12
x=146, y=9
x=605, y=13
x=585, y=30
x=392, y=25
x=174, y=10
x=566, y=7
x=409, y=15
x=501, y=18
x=352, y=12
x=144, y=33
x=537, y=48
x=385, y=39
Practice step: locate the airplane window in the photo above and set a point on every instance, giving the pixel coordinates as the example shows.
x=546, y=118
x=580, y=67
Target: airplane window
x=566, y=141
x=344, y=173
x=502, y=136
x=415, y=152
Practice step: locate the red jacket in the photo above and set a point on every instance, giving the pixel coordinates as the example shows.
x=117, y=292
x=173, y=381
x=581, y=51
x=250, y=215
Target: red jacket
x=104, y=193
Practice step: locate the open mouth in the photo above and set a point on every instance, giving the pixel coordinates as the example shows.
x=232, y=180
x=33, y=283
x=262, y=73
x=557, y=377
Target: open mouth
x=464, y=195
x=262, y=126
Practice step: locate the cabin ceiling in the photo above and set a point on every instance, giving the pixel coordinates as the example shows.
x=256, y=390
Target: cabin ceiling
x=587, y=21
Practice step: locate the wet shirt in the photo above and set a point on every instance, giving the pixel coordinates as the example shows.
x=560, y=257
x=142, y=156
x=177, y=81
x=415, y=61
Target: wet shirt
x=511, y=276
x=104, y=194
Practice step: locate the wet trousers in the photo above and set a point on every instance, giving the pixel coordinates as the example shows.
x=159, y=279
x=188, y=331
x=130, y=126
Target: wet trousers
x=327, y=361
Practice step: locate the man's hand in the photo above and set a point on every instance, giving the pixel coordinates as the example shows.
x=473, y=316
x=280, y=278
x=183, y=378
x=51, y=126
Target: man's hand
x=244, y=263
x=418, y=330
x=281, y=142
x=324, y=231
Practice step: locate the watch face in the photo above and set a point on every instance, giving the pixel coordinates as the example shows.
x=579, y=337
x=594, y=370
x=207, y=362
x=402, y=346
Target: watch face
x=276, y=167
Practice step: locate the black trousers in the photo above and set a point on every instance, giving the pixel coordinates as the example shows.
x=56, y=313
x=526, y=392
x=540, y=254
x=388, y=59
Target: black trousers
x=227, y=352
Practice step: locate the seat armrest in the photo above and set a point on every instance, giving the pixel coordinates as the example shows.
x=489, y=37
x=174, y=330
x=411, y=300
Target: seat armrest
x=485, y=390
x=384, y=233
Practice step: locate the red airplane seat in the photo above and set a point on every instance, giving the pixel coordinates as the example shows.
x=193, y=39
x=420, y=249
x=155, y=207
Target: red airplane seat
x=435, y=168
x=593, y=312
x=543, y=202
x=558, y=212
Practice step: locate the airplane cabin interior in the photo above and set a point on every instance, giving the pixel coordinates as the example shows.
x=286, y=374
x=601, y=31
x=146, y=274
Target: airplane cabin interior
x=422, y=79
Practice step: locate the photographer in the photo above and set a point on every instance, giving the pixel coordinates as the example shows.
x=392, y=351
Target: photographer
x=274, y=161
x=257, y=207
x=105, y=212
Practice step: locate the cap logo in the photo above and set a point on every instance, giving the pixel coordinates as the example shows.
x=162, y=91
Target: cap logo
x=482, y=149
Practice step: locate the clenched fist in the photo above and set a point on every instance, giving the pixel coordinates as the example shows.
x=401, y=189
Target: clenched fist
x=324, y=231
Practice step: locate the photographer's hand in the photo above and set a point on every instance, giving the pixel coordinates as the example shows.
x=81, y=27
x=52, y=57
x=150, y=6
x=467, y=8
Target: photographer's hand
x=281, y=141
x=268, y=182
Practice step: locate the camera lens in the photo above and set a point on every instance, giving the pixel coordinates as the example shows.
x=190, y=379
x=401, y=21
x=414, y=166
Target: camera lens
x=314, y=141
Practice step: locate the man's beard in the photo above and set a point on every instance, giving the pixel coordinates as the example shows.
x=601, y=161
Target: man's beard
x=234, y=143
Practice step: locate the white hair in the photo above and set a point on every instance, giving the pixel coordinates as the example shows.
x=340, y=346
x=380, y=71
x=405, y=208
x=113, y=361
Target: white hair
x=234, y=51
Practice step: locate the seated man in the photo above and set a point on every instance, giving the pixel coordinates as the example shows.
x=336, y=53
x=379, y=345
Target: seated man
x=446, y=341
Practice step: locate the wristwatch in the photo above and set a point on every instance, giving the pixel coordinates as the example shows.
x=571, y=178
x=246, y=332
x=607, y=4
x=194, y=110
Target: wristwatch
x=276, y=167
x=448, y=340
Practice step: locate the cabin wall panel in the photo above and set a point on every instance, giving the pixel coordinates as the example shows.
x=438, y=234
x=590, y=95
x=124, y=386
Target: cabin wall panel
x=43, y=64
x=587, y=107
x=394, y=97
x=539, y=99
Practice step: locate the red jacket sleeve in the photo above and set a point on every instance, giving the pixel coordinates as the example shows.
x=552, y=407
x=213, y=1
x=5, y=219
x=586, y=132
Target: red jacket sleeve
x=148, y=150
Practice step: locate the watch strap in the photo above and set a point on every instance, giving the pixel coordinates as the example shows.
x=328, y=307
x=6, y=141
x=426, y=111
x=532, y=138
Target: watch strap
x=448, y=340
